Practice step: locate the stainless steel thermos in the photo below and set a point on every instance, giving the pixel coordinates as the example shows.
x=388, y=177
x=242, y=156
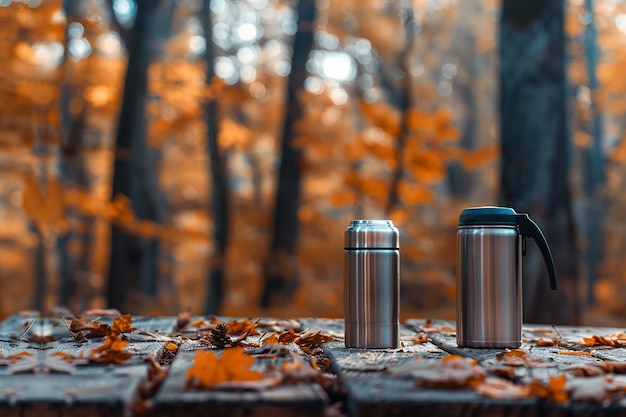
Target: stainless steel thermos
x=371, y=284
x=490, y=244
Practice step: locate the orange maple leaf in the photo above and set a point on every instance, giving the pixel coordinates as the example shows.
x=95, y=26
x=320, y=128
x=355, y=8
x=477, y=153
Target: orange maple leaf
x=122, y=324
x=209, y=371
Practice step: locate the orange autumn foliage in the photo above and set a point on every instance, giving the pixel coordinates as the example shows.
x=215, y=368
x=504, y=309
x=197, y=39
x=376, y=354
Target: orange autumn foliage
x=209, y=371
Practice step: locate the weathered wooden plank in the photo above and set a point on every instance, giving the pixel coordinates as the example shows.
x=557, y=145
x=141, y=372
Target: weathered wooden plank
x=174, y=399
x=371, y=396
x=90, y=391
x=446, y=340
x=372, y=391
x=59, y=389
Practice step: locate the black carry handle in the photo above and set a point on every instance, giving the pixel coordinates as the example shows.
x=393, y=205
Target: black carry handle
x=528, y=228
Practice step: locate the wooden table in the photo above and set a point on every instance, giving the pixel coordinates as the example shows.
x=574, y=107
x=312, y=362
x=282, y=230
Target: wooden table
x=558, y=371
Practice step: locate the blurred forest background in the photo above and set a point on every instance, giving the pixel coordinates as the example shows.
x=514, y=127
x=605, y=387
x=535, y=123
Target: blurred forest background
x=207, y=155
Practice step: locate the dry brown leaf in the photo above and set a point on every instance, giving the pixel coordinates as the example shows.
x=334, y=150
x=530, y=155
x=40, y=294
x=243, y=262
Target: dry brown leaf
x=156, y=375
x=553, y=390
x=183, y=319
x=453, y=372
x=101, y=312
x=546, y=342
x=502, y=389
x=313, y=336
x=596, y=369
x=593, y=389
x=210, y=371
x=14, y=358
x=518, y=357
x=122, y=324
x=269, y=339
x=95, y=328
x=574, y=352
x=287, y=337
x=429, y=327
x=296, y=372
x=596, y=340
x=239, y=327
x=421, y=338
x=112, y=350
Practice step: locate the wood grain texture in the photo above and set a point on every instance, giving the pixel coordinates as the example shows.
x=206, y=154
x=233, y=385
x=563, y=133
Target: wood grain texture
x=367, y=387
x=174, y=399
x=52, y=387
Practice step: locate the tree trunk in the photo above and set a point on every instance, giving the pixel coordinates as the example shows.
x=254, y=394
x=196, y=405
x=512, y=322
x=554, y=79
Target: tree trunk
x=404, y=105
x=131, y=174
x=594, y=174
x=215, y=287
x=536, y=149
x=280, y=272
x=70, y=167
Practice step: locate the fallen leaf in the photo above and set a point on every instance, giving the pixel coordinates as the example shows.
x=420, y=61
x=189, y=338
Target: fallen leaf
x=156, y=375
x=95, y=328
x=238, y=327
x=41, y=340
x=421, y=338
x=183, y=319
x=453, y=372
x=269, y=339
x=287, y=337
x=65, y=356
x=546, y=342
x=429, y=327
x=279, y=326
x=596, y=369
x=593, y=389
x=210, y=371
x=43, y=363
x=296, y=372
x=122, y=324
x=502, y=389
x=101, y=312
x=313, y=336
x=553, y=390
x=14, y=358
x=111, y=351
x=518, y=357
x=596, y=340
x=574, y=352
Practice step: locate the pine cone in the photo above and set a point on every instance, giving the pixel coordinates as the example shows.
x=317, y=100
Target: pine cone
x=219, y=336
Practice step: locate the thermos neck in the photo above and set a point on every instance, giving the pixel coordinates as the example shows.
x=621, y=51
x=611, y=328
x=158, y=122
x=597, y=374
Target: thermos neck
x=488, y=226
x=372, y=234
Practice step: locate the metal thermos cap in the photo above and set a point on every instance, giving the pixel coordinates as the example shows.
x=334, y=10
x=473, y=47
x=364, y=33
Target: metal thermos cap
x=372, y=234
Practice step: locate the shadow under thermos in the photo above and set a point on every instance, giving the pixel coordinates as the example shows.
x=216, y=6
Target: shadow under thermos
x=372, y=284
x=490, y=245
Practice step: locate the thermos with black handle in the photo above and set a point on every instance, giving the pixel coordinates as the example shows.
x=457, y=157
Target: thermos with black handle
x=491, y=244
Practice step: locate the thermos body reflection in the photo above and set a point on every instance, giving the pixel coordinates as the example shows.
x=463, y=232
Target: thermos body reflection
x=489, y=286
x=371, y=284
